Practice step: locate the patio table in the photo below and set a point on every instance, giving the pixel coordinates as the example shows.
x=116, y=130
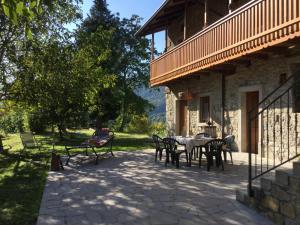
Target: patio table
x=191, y=142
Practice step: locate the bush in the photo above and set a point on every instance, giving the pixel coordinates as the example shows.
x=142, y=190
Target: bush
x=158, y=128
x=37, y=121
x=138, y=125
x=12, y=122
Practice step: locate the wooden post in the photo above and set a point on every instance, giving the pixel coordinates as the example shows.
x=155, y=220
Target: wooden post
x=185, y=18
x=229, y=6
x=166, y=41
x=205, y=14
x=152, y=47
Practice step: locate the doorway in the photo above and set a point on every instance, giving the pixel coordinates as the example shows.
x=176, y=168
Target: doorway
x=252, y=101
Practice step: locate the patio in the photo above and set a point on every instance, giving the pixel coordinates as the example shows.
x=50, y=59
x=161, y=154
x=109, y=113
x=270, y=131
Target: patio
x=132, y=189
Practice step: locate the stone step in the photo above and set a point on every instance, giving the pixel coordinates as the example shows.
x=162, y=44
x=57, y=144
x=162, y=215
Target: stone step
x=266, y=183
x=282, y=177
x=296, y=168
x=241, y=195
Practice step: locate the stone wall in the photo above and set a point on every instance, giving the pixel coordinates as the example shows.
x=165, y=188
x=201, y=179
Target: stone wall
x=205, y=85
x=263, y=76
x=277, y=199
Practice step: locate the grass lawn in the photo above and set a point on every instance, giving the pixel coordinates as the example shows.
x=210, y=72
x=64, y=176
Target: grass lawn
x=22, y=178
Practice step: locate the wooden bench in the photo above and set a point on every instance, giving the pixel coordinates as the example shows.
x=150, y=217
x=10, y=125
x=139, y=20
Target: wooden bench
x=95, y=142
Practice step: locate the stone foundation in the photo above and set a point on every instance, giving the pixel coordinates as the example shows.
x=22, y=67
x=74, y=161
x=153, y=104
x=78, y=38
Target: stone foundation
x=277, y=199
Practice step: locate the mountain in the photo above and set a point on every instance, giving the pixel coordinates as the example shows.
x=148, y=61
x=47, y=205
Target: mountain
x=156, y=96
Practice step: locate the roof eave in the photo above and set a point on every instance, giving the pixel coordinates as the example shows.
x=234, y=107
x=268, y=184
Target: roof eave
x=141, y=31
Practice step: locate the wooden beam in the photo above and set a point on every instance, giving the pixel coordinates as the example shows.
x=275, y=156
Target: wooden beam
x=241, y=61
x=230, y=6
x=152, y=47
x=256, y=55
x=185, y=21
x=166, y=40
x=224, y=68
x=205, y=14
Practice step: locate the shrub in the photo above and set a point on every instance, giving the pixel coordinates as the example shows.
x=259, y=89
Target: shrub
x=138, y=124
x=37, y=121
x=12, y=122
x=158, y=128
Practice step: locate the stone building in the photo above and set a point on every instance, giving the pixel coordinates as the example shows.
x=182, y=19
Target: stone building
x=222, y=58
x=232, y=67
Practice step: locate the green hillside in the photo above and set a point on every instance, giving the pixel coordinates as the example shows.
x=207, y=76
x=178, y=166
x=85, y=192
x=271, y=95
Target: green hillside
x=155, y=96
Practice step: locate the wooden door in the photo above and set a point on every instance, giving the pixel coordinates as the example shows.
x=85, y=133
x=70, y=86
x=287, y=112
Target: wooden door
x=183, y=118
x=252, y=100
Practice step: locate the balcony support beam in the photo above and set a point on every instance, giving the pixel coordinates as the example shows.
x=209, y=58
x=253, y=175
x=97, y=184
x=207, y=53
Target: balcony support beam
x=152, y=46
x=230, y=6
x=185, y=20
x=205, y=14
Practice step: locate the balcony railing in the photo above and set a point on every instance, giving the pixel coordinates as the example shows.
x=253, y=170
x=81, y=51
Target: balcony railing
x=256, y=25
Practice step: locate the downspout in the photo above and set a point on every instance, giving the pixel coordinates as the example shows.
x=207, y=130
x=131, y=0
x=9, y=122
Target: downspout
x=223, y=105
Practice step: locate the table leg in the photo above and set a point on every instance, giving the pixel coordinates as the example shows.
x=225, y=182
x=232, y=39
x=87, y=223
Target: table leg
x=190, y=158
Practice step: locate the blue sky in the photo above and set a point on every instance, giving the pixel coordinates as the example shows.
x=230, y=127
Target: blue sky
x=126, y=8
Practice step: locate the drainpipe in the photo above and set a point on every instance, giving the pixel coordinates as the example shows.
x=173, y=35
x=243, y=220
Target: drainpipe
x=223, y=105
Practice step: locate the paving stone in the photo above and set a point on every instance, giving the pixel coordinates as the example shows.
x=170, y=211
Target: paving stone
x=76, y=220
x=131, y=189
x=50, y=220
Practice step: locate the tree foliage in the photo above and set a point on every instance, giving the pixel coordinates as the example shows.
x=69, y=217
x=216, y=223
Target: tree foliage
x=65, y=79
x=128, y=64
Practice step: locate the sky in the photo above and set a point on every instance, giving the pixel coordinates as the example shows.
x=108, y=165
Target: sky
x=126, y=8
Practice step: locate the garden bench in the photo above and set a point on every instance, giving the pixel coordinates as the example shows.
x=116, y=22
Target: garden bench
x=96, y=142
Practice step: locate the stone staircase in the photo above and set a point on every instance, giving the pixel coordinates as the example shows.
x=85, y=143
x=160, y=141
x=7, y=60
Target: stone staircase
x=277, y=198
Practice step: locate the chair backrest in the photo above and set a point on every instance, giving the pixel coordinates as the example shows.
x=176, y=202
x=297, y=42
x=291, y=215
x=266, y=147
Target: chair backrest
x=156, y=139
x=170, y=144
x=200, y=135
x=229, y=140
x=214, y=145
x=28, y=140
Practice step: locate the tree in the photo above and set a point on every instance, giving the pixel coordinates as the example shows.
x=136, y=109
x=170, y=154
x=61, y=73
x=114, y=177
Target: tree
x=132, y=68
x=14, y=44
x=127, y=64
x=57, y=80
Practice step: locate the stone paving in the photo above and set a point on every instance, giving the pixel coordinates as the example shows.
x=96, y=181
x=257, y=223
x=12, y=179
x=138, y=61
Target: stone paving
x=131, y=189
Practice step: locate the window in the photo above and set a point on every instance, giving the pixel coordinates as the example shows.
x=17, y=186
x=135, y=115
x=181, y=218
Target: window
x=204, y=110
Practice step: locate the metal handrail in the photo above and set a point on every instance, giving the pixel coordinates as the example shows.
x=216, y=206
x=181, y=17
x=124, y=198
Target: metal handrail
x=252, y=118
x=275, y=90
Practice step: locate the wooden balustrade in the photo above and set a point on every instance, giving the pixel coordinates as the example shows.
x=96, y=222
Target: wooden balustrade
x=256, y=25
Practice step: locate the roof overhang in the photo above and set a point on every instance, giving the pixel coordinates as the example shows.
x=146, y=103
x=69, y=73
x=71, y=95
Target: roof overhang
x=170, y=9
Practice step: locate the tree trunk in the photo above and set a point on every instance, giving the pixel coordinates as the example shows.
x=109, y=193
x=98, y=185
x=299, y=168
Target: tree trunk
x=1, y=145
x=123, y=116
x=123, y=106
x=60, y=130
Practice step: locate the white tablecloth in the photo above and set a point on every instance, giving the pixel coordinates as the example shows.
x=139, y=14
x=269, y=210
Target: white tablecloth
x=190, y=142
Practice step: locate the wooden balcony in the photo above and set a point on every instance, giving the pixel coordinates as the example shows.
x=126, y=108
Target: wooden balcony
x=257, y=25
